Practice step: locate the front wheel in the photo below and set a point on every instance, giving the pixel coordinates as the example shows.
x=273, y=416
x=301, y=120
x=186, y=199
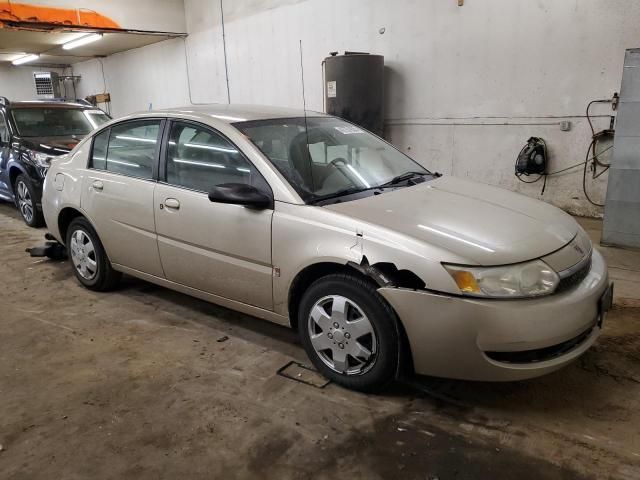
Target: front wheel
x=88, y=257
x=26, y=201
x=350, y=332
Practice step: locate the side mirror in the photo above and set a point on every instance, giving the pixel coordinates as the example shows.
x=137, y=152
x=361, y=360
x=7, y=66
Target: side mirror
x=240, y=194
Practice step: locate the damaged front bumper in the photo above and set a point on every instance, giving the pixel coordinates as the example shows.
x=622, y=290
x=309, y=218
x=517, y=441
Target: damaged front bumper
x=500, y=340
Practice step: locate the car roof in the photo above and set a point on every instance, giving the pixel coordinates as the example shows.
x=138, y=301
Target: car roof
x=49, y=104
x=232, y=113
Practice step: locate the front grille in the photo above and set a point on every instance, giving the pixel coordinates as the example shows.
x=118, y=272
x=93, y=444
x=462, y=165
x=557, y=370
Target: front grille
x=540, y=354
x=567, y=283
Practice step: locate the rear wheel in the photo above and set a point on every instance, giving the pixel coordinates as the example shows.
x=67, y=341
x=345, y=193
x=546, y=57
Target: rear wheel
x=350, y=332
x=25, y=196
x=88, y=257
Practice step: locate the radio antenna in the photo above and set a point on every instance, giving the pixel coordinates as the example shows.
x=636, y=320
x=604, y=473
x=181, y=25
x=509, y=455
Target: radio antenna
x=304, y=110
x=306, y=127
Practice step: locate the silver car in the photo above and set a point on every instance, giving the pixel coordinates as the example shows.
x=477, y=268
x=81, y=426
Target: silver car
x=312, y=222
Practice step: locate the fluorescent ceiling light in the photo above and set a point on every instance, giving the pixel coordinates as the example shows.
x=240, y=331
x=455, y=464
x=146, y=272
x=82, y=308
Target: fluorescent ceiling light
x=211, y=147
x=201, y=164
x=135, y=139
x=26, y=59
x=455, y=237
x=82, y=41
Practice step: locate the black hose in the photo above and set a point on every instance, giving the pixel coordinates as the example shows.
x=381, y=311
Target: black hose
x=584, y=175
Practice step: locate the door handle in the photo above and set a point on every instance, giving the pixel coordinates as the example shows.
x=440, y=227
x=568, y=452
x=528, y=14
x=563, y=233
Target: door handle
x=98, y=185
x=172, y=203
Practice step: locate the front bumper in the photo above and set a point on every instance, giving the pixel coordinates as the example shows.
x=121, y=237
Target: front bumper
x=500, y=340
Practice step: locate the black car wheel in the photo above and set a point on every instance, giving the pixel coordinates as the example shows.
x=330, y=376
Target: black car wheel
x=88, y=257
x=26, y=201
x=350, y=332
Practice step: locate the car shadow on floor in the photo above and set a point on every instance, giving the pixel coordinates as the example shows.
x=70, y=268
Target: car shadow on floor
x=590, y=384
x=246, y=327
x=580, y=382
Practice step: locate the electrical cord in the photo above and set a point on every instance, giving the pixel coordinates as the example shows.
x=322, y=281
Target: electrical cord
x=584, y=172
x=591, y=150
x=602, y=100
x=595, y=135
x=579, y=164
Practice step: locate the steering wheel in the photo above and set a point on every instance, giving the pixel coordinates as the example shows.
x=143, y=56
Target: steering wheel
x=336, y=161
x=340, y=164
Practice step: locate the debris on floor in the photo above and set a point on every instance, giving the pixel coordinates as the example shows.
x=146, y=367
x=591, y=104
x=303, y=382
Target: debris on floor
x=303, y=374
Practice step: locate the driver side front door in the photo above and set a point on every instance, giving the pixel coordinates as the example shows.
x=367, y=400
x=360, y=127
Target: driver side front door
x=217, y=248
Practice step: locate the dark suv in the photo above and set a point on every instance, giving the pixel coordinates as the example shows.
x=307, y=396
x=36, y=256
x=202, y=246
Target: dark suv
x=31, y=133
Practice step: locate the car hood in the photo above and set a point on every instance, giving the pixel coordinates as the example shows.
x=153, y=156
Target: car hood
x=58, y=145
x=487, y=225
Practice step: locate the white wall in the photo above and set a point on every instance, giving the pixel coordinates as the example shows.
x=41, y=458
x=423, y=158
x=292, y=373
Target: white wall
x=466, y=85
x=16, y=83
x=149, y=77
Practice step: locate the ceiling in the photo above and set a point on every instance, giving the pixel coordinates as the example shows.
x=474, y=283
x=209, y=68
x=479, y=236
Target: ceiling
x=17, y=43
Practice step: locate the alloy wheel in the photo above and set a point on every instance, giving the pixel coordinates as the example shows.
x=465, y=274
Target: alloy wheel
x=342, y=335
x=25, y=203
x=83, y=255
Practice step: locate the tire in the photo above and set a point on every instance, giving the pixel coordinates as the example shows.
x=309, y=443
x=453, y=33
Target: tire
x=25, y=199
x=326, y=344
x=88, y=257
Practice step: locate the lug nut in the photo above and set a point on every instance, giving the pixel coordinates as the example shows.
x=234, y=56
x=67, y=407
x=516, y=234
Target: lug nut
x=330, y=335
x=341, y=345
x=335, y=325
x=347, y=335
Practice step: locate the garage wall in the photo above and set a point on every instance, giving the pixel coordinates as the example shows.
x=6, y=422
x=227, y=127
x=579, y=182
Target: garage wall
x=466, y=86
x=150, y=77
x=16, y=83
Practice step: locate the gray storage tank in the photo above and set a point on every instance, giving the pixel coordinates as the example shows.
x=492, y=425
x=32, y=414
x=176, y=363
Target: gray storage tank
x=354, y=89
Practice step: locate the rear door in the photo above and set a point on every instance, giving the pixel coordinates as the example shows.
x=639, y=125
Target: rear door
x=217, y=248
x=118, y=192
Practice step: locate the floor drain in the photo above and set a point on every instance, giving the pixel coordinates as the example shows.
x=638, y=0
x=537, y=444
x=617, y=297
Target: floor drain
x=303, y=374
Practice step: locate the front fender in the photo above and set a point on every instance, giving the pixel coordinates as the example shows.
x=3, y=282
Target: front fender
x=17, y=167
x=304, y=235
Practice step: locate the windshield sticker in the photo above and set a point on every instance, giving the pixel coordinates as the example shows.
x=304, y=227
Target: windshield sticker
x=348, y=130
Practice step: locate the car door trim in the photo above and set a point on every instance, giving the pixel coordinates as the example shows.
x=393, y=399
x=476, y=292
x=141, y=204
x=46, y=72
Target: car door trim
x=209, y=297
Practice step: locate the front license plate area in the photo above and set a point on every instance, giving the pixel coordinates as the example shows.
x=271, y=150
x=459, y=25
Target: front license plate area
x=605, y=303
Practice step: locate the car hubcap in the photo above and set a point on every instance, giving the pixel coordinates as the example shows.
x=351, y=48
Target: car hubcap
x=25, y=204
x=342, y=335
x=83, y=255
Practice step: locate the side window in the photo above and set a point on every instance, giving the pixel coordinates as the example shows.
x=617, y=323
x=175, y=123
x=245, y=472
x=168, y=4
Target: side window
x=128, y=149
x=99, y=155
x=4, y=132
x=200, y=159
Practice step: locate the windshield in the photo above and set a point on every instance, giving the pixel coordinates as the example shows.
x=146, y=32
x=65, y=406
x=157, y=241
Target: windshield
x=56, y=121
x=341, y=158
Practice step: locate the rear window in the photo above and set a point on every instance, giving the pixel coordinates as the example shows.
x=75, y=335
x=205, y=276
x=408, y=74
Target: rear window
x=56, y=121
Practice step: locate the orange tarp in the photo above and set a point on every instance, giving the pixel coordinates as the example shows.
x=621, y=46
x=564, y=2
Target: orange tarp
x=25, y=12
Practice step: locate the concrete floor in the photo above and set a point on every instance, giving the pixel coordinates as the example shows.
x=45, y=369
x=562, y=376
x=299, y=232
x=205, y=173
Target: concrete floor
x=136, y=384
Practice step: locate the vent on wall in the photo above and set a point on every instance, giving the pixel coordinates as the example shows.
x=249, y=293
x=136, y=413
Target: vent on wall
x=47, y=84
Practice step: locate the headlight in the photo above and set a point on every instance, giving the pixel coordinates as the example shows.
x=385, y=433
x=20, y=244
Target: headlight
x=41, y=159
x=530, y=279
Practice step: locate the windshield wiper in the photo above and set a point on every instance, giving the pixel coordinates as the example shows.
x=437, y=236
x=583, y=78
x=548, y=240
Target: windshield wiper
x=352, y=190
x=339, y=193
x=402, y=177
